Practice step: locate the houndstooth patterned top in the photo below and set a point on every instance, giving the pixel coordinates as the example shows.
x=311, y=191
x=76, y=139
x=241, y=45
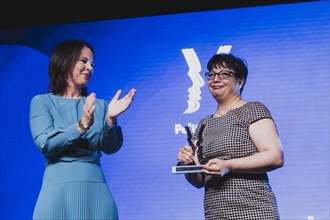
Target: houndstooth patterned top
x=235, y=196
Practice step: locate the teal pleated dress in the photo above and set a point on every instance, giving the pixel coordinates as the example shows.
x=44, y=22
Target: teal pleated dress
x=73, y=185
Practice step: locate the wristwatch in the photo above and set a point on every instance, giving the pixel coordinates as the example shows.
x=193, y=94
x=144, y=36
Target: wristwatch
x=81, y=126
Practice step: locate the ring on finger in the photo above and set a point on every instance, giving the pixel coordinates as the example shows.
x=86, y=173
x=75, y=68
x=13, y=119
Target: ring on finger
x=182, y=151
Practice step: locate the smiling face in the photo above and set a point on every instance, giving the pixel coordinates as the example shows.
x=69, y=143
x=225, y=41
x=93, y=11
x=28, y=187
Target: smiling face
x=82, y=70
x=222, y=83
x=226, y=77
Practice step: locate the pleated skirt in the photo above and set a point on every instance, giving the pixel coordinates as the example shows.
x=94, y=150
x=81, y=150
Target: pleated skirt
x=75, y=190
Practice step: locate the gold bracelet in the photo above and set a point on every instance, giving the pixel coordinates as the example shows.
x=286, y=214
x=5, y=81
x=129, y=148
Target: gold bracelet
x=81, y=126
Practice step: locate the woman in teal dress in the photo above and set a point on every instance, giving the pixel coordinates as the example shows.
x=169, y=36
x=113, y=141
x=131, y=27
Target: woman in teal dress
x=72, y=129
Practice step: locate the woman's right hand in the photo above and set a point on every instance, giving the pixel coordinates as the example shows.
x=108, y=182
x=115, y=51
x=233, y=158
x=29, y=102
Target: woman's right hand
x=186, y=155
x=88, y=110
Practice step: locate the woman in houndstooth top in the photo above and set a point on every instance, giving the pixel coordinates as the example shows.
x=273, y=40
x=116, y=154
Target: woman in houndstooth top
x=240, y=145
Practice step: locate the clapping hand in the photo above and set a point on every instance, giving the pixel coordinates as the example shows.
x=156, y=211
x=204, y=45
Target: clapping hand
x=88, y=110
x=118, y=106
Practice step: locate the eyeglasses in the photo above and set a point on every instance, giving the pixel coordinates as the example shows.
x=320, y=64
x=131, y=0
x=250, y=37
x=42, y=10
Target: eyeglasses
x=221, y=75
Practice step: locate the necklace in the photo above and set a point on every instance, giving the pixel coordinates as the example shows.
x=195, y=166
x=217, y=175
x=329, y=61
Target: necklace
x=239, y=99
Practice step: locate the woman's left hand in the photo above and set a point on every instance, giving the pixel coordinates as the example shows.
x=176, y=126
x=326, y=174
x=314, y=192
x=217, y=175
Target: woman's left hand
x=216, y=167
x=118, y=106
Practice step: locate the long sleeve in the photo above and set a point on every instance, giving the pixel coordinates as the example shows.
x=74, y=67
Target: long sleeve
x=112, y=139
x=49, y=139
x=53, y=124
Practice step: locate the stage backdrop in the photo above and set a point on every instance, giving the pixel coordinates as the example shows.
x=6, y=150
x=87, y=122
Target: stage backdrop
x=164, y=58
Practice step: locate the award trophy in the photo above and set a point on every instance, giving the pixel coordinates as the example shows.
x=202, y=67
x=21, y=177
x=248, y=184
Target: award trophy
x=192, y=167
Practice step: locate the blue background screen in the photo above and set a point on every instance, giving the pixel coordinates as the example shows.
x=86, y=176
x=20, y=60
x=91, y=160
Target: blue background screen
x=164, y=58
